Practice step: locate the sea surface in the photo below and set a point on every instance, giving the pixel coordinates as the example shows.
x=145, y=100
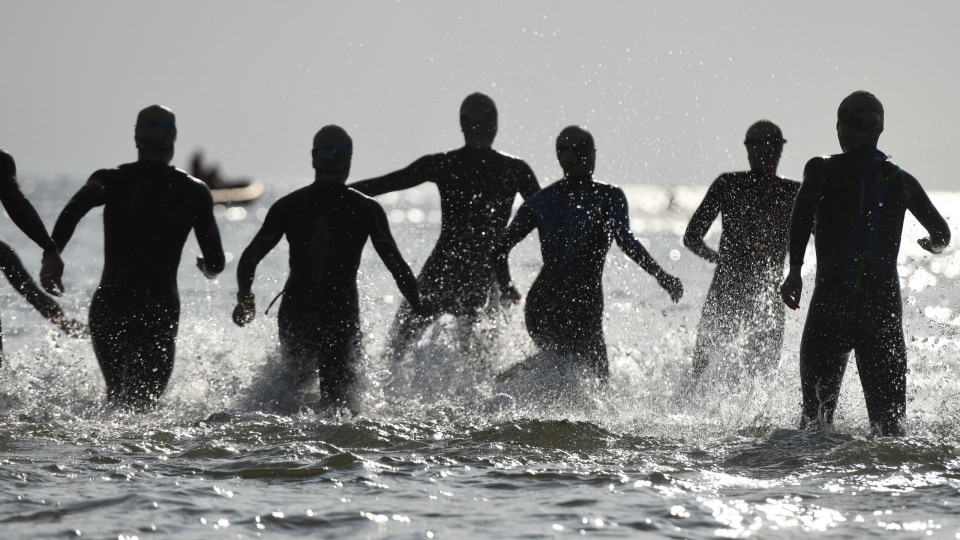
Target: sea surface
x=441, y=448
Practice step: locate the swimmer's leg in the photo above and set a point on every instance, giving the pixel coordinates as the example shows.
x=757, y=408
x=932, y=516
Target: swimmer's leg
x=337, y=368
x=766, y=338
x=882, y=364
x=824, y=349
x=135, y=348
x=716, y=328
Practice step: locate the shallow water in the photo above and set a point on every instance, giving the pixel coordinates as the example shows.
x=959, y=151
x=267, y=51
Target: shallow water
x=440, y=448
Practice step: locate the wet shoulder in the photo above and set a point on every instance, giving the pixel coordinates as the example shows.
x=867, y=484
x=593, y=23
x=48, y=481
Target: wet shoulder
x=609, y=191
x=361, y=201
x=820, y=164
x=789, y=185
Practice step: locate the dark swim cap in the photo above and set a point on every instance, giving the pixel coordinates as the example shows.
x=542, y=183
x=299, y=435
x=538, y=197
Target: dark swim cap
x=574, y=144
x=478, y=113
x=860, y=115
x=332, y=148
x=156, y=128
x=763, y=132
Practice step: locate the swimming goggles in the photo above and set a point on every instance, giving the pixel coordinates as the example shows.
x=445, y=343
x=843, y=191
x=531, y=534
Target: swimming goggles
x=334, y=148
x=157, y=124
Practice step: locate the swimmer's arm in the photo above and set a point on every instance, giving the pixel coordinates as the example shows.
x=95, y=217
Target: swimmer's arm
x=620, y=217
x=528, y=182
x=208, y=235
x=805, y=210
x=801, y=225
x=522, y=225
x=390, y=255
x=266, y=239
x=408, y=177
x=700, y=223
x=21, y=212
x=922, y=208
x=90, y=196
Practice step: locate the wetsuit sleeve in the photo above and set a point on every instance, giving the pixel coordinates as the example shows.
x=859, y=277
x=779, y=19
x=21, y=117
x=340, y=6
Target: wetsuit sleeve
x=805, y=209
x=207, y=233
x=700, y=223
x=528, y=181
x=414, y=174
x=390, y=255
x=90, y=196
x=922, y=208
x=20, y=279
x=266, y=239
x=18, y=207
x=523, y=223
x=620, y=225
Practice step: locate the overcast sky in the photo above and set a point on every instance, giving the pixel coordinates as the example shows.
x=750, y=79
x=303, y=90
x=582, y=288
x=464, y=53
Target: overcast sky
x=667, y=88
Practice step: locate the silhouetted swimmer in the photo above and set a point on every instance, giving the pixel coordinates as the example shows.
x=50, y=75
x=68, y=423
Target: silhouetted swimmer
x=478, y=186
x=326, y=225
x=150, y=208
x=755, y=208
x=857, y=201
x=577, y=219
x=25, y=217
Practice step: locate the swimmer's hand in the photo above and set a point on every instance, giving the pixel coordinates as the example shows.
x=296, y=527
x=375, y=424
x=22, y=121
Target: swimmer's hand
x=672, y=285
x=51, y=272
x=927, y=244
x=246, y=309
x=510, y=295
x=202, y=265
x=791, y=288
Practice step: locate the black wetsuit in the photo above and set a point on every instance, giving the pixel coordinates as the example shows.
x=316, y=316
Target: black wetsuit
x=477, y=189
x=577, y=220
x=149, y=210
x=744, y=295
x=858, y=200
x=25, y=217
x=326, y=225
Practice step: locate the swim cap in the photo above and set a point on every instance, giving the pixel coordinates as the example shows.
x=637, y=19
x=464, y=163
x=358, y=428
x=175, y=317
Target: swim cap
x=860, y=115
x=574, y=145
x=332, y=148
x=156, y=128
x=763, y=132
x=478, y=113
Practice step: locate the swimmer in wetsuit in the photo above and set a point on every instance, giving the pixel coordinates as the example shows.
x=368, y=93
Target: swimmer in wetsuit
x=577, y=219
x=25, y=217
x=478, y=186
x=755, y=208
x=326, y=225
x=856, y=201
x=149, y=209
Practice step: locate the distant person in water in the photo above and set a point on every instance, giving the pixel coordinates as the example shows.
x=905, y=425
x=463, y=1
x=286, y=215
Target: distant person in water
x=25, y=217
x=577, y=219
x=478, y=186
x=755, y=208
x=150, y=208
x=856, y=201
x=326, y=225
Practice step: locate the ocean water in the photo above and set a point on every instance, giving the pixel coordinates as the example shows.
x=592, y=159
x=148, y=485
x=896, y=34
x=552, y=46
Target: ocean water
x=440, y=448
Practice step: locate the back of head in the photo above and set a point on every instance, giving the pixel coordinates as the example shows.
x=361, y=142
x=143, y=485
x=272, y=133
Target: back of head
x=478, y=119
x=860, y=116
x=332, y=150
x=156, y=132
x=576, y=151
x=764, y=134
